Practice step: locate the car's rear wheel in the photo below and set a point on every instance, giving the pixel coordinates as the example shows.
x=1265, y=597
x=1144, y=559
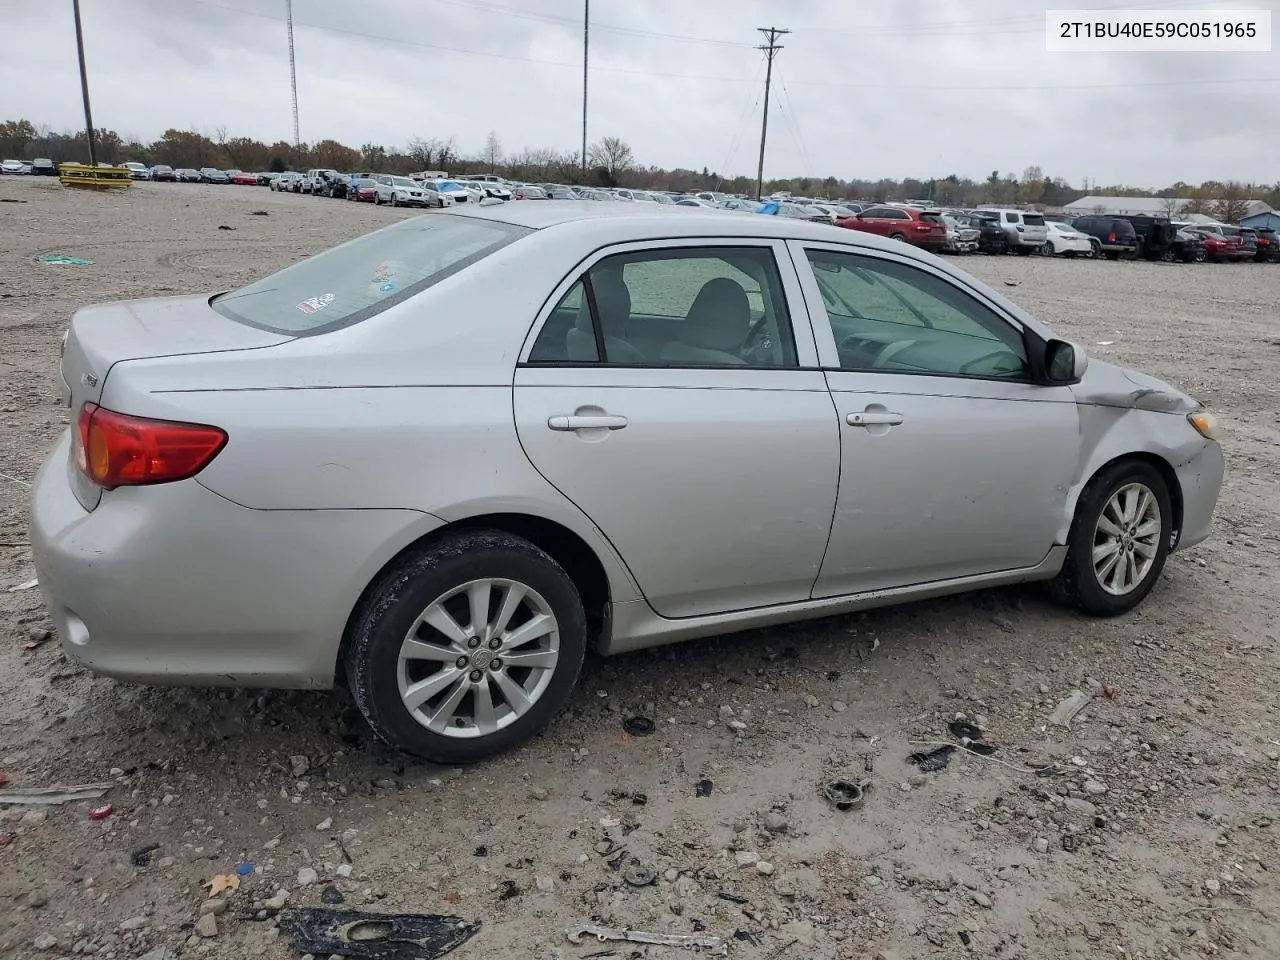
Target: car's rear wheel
x=1119, y=540
x=898, y=236
x=467, y=647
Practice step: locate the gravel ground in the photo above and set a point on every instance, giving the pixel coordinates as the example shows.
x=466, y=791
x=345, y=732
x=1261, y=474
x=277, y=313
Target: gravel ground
x=1154, y=839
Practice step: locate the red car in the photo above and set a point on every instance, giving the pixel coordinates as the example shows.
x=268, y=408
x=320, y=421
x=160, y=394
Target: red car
x=1218, y=247
x=245, y=179
x=924, y=228
x=365, y=189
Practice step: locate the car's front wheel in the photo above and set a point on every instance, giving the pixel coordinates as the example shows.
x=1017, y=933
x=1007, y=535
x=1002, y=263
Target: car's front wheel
x=467, y=647
x=1119, y=540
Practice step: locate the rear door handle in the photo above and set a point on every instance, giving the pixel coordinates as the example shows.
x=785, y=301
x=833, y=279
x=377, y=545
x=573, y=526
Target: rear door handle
x=870, y=418
x=600, y=422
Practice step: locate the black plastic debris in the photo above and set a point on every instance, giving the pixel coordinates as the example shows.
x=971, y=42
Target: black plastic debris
x=704, y=788
x=732, y=898
x=934, y=760
x=332, y=895
x=142, y=856
x=964, y=938
x=971, y=737
x=508, y=890
x=374, y=936
x=843, y=794
x=638, y=726
x=745, y=936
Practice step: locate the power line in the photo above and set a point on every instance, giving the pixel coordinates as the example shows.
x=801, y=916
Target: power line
x=1001, y=87
x=771, y=50
x=586, y=36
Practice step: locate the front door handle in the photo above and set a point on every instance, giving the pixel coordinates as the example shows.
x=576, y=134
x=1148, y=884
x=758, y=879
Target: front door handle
x=871, y=418
x=578, y=422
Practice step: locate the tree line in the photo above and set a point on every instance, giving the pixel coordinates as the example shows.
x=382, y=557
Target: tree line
x=610, y=162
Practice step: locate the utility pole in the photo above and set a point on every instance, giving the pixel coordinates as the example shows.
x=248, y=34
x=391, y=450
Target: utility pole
x=84, y=85
x=586, y=39
x=771, y=50
x=293, y=72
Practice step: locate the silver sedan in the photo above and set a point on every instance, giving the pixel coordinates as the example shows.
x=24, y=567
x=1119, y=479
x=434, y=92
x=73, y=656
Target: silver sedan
x=446, y=458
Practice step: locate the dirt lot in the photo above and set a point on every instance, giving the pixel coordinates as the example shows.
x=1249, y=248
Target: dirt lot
x=1156, y=838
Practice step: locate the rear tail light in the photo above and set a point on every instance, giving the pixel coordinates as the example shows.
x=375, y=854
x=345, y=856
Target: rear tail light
x=1111, y=238
x=117, y=450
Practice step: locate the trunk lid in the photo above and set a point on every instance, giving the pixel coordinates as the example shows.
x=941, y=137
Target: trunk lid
x=103, y=335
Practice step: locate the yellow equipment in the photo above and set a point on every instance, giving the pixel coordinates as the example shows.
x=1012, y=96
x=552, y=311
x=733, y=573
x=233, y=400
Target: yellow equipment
x=83, y=175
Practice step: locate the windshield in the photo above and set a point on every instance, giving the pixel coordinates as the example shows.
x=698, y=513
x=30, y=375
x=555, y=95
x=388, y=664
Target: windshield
x=364, y=182
x=448, y=186
x=402, y=182
x=365, y=276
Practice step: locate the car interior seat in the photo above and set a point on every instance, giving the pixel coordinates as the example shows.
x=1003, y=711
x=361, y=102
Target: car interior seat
x=716, y=326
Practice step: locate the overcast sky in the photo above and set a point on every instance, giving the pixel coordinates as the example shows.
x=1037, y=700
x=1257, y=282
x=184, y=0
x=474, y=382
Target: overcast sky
x=865, y=89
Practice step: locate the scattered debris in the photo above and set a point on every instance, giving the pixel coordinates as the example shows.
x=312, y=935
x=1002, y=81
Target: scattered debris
x=1008, y=283
x=715, y=945
x=733, y=898
x=101, y=813
x=63, y=260
x=843, y=794
x=639, y=874
x=971, y=737
x=704, y=788
x=1070, y=708
x=4, y=778
x=142, y=856
x=221, y=882
x=1070, y=842
x=508, y=890
x=638, y=726
x=7, y=837
x=1108, y=691
x=11, y=200
x=332, y=895
x=27, y=585
x=244, y=869
x=374, y=936
x=54, y=796
x=259, y=213
x=934, y=760
x=223, y=226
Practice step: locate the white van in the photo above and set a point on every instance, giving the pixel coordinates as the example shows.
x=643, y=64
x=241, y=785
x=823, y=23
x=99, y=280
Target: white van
x=1025, y=230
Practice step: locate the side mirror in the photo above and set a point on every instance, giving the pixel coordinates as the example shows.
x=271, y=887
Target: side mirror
x=1065, y=362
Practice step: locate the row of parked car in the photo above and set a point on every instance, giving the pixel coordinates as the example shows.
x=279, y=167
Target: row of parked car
x=998, y=231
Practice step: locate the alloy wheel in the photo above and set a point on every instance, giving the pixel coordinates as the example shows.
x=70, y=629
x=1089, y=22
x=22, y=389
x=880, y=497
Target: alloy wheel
x=478, y=658
x=1126, y=539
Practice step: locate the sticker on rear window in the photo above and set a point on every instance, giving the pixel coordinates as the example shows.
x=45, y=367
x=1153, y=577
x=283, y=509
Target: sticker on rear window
x=313, y=304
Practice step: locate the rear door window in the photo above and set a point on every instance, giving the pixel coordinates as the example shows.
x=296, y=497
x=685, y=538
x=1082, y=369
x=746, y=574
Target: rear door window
x=365, y=276
x=1033, y=220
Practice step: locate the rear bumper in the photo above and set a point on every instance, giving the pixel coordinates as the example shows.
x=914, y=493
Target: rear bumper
x=174, y=584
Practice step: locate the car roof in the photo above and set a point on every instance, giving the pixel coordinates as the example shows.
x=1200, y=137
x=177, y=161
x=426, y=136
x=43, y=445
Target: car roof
x=639, y=221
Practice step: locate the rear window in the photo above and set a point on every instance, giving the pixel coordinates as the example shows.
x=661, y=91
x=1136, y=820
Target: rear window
x=365, y=276
x=1033, y=220
x=930, y=218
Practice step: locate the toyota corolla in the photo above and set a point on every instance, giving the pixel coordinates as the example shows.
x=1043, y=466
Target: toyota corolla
x=441, y=461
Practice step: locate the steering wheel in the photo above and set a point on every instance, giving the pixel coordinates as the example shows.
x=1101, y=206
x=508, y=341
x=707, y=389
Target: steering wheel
x=968, y=367
x=863, y=353
x=758, y=345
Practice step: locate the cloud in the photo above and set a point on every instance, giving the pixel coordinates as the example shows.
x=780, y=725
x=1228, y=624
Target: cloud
x=922, y=89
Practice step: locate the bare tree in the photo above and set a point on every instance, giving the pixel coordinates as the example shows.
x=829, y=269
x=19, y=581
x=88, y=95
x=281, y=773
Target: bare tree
x=612, y=155
x=492, y=151
x=1171, y=207
x=1231, y=203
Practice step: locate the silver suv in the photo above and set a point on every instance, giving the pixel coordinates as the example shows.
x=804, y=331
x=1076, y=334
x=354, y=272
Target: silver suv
x=1025, y=231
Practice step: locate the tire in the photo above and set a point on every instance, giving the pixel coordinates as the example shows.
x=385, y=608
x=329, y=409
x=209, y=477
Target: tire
x=1078, y=584
x=1025, y=251
x=898, y=236
x=439, y=577
x=395, y=201
x=1112, y=255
